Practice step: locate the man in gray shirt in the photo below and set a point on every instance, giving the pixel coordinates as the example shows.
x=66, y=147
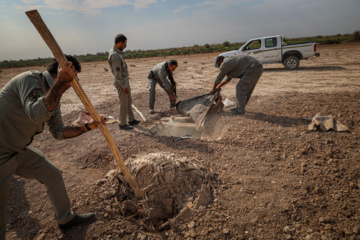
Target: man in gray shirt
x=121, y=81
x=158, y=75
x=247, y=68
x=26, y=102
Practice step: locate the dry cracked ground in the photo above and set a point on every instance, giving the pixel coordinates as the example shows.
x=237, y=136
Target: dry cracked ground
x=274, y=179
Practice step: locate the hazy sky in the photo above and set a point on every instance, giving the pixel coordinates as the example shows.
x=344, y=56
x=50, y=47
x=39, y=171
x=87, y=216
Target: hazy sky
x=89, y=26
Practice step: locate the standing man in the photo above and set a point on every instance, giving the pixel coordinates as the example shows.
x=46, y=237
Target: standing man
x=158, y=75
x=26, y=102
x=121, y=81
x=247, y=68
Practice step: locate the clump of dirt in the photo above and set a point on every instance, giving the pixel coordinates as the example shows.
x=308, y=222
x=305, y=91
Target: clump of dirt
x=171, y=185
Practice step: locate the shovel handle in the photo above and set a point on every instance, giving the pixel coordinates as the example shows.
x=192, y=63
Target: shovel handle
x=45, y=33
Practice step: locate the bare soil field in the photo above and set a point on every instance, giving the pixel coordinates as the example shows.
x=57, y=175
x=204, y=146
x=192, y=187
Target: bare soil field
x=274, y=179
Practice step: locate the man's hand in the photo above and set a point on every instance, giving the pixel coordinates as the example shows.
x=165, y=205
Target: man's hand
x=62, y=82
x=66, y=74
x=173, y=99
x=70, y=131
x=215, y=90
x=171, y=95
x=93, y=125
x=126, y=90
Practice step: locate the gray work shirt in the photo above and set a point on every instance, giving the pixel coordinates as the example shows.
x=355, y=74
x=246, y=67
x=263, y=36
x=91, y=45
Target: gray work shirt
x=118, y=67
x=160, y=73
x=235, y=67
x=23, y=112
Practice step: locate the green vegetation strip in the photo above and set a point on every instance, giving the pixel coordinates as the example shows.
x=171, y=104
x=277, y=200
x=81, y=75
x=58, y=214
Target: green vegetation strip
x=224, y=47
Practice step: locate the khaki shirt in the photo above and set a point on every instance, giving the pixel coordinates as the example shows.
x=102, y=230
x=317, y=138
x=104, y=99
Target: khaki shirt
x=235, y=67
x=23, y=112
x=159, y=70
x=118, y=67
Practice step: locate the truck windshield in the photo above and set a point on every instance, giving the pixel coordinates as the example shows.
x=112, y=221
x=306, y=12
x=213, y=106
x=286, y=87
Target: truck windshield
x=256, y=44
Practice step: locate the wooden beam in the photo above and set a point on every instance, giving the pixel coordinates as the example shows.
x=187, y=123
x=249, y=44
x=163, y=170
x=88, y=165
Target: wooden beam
x=45, y=33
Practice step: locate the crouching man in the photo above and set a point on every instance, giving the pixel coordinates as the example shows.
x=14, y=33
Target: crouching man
x=247, y=68
x=159, y=75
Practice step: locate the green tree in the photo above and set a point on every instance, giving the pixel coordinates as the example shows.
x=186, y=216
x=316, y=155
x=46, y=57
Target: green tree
x=226, y=44
x=356, y=36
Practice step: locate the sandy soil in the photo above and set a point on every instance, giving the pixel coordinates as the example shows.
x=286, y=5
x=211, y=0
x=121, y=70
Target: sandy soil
x=275, y=180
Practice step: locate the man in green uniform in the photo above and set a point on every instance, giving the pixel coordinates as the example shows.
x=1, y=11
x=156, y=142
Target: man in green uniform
x=121, y=81
x=26, y=102
x=247, y=68
x=158, y=75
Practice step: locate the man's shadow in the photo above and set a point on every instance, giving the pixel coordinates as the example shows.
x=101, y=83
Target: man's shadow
x=284, y=121
x=320, y=68
x=18, y=211
x=20, y=219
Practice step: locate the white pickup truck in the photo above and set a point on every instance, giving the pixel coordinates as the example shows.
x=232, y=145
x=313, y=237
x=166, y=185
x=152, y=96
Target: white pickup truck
x=272, y=49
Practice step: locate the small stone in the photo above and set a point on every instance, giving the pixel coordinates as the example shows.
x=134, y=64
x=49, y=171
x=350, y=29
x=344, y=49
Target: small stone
x=288, y=237
x=141, y=236
x=287, y=230
x=313, y=236
x=129, y=207
x=191, y=224
x=62, y=236
x=347, y=231
x=327, y=227
x=297, y=226
x=322, y=219
x=226, y=231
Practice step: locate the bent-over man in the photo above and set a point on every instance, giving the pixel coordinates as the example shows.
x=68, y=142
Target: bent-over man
x=121, y=82
x=247, y=68
x=26, y=102
x=159, y=75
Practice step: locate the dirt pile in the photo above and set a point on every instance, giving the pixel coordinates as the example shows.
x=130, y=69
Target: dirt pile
x=172, y=187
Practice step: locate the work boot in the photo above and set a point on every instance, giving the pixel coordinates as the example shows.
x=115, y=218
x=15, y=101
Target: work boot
x=151, y=111
x=78, y=219
x=125, y=127
x=134, y=122
x=238, y=113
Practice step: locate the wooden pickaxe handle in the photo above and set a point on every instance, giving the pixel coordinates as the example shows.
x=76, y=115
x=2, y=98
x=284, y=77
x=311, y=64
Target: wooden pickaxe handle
x=45, y=33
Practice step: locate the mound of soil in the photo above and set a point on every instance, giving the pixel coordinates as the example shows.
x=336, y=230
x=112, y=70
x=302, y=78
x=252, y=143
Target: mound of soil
x=171, y=186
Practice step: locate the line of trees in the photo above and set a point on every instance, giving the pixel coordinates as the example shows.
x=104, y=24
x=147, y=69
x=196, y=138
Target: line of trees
x=225, y=46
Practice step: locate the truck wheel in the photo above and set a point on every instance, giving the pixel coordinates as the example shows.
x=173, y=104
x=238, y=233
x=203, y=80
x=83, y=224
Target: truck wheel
x=291, y=63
